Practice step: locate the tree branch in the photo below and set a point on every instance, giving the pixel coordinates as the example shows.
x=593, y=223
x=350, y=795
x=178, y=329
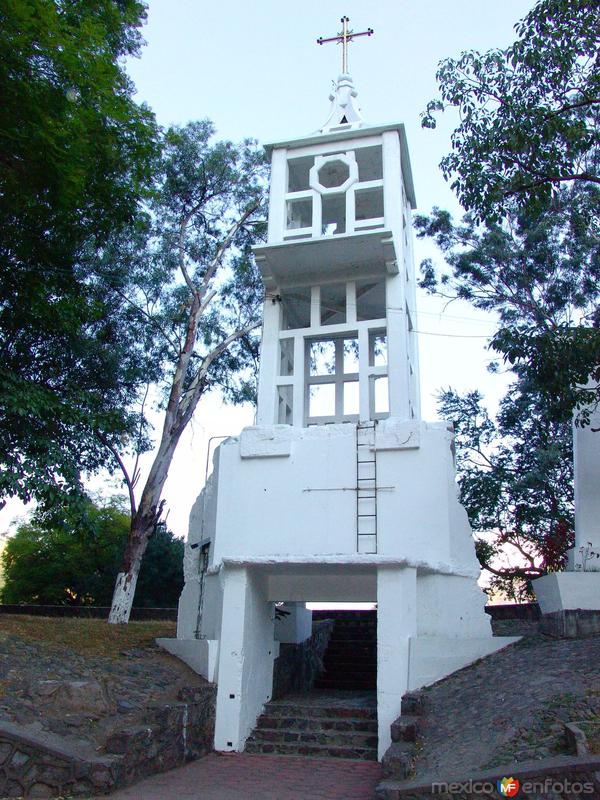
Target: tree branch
x=123, y=469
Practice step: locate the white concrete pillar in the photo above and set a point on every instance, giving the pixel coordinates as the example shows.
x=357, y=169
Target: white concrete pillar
x=231, y=660
x=246, y=655
x=269, y=364
x=396, y=624
x=586, y=462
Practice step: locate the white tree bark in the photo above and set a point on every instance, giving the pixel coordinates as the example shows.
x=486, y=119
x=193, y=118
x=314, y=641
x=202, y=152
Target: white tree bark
x=123, y=598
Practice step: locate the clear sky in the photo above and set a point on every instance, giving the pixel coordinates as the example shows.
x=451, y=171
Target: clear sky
x=256, y=70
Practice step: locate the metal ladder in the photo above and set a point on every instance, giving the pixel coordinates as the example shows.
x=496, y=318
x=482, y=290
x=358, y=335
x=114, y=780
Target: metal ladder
x=366, y=488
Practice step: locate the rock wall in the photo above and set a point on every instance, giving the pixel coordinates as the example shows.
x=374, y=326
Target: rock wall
x=35, y=764
x=298, y=665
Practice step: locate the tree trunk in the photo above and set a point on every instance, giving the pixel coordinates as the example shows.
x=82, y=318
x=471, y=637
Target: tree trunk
x=143, y=524
x=123, y=597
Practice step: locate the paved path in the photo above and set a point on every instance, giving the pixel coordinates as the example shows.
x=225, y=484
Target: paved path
x=240, y=776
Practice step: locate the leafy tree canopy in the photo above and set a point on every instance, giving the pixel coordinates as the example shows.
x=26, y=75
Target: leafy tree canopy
x=71, y=554
x=529, y=115
x=77, y=153
x=515, y=478
x=539, y=271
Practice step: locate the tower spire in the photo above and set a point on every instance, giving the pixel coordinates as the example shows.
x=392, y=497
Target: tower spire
x=344, y=37
x=343, y=109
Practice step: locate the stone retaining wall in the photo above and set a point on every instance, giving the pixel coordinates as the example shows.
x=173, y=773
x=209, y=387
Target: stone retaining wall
x=298, y=665
x=559, y=778
x=571, y=623
x=95, y=612
x=34, y=764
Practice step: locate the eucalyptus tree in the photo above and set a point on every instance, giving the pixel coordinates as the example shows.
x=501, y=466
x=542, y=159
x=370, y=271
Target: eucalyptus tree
x=197, y=295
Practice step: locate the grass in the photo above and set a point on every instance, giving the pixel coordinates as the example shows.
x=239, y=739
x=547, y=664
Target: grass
x=88, y=637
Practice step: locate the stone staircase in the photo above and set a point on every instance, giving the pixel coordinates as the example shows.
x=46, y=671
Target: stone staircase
x=350, y=660
x=323, y=724
x=399, y=759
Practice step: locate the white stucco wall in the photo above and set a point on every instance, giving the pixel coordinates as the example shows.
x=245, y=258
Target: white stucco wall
x=451, y=606
x=290, y=504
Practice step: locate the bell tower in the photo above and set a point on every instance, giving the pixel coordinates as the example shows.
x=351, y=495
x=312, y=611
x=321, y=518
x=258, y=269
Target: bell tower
x=338, y=341
x=340, y=492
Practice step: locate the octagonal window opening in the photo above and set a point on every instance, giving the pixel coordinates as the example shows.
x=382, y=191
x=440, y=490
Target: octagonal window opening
x=333, y=173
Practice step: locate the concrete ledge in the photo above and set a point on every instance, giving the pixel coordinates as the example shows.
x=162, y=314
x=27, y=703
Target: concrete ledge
x=274, y=441
x=560, y=591
x=199, y=654
x=396, y=434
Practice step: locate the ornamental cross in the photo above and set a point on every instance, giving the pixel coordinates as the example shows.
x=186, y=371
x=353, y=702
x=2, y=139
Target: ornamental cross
x=344, y=37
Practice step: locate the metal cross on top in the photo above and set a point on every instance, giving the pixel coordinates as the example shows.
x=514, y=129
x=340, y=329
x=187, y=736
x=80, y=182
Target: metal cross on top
x=344, y=37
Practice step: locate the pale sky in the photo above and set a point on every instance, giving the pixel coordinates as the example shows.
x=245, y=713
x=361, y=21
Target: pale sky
x=256, y=70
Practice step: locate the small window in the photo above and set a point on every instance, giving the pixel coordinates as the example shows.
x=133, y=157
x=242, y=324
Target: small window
x=370, y=299
x=299, y=213
x=286, y=357
x=295, y=308
x=333, y=220
x=285, y=405
x=321, y=357
x=378, y=356
x=333, y=304
x=298, y=173
x=370, y=163
x=381, y=399
x=369, y=203
x=350, y=351
x=351, y=398
x=321, y=400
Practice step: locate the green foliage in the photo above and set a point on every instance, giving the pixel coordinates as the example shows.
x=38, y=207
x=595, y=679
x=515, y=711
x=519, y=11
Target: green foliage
x=539, y=271
x=77, y=153
x=71, y=555
x=516, y=482
x=528, y=115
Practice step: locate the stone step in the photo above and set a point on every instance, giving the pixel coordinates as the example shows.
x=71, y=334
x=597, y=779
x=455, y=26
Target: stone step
x=350, y=653
x=353, y=635
x=315, y=750
x=309, y=710
x=357, y=724
x=405, y=728
x=398, y=760
x=352, y=739
x=349, y=684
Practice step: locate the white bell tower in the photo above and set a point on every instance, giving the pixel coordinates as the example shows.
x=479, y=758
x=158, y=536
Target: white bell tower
x=338, y=340
x=340, y=492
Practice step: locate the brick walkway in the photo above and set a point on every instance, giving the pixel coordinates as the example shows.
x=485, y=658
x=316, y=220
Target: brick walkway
x=240, y=776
